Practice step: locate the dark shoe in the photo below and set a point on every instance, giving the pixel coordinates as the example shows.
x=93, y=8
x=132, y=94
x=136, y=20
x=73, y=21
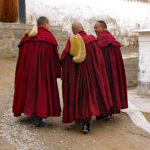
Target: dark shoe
x=85, y=127
x=38, y=122
x=108, y=117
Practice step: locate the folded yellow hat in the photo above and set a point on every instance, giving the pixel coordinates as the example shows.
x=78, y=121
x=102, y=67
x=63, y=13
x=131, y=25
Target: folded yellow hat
x=33, y=32
x=77, y=49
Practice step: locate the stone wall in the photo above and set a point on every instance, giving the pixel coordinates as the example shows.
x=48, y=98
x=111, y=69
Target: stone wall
x=126, y=40
x=10, y=35
x=131, y=68
x=125, y=36
x=61, y=36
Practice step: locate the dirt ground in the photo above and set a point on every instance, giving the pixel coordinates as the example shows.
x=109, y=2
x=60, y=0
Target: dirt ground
x=147, y=116
x=19, y=133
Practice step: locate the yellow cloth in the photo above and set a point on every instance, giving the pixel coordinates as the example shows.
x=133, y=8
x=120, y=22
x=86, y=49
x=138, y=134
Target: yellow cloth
x=77, y=49
x=33, y=32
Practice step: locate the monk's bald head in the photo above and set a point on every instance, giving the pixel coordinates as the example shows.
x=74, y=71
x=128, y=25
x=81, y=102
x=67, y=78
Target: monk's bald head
x=76, y=26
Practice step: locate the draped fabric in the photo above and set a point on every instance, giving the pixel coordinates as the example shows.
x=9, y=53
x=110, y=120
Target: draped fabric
x=36, y=91
x=85, y=85
x=110, y=48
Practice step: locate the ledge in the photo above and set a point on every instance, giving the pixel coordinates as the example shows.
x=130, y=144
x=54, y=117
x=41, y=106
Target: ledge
x=143, y=31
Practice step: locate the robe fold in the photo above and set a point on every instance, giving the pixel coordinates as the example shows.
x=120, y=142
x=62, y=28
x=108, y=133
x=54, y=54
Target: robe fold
x=110, y=48
x=38, y=66
x=85, y=85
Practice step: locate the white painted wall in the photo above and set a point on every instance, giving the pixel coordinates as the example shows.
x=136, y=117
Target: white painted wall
x=144, y=62
x=119, y=14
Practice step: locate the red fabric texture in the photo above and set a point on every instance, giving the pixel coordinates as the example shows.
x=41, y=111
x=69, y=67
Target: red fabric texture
x=84, y=120
x=38, y=66
x=110, y=48
x=85, y=85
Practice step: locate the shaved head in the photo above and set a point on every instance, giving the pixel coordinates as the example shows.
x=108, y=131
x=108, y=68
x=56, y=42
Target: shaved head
x=76, y=26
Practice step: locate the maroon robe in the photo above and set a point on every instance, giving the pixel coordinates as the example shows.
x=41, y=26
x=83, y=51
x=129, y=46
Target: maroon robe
x=110, y=48
x=85, y=85
x=36, y=91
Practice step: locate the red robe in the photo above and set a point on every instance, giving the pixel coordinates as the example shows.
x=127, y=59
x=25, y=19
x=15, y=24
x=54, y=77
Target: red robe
x=36, y=91
x=110, y=48
x=85, y=85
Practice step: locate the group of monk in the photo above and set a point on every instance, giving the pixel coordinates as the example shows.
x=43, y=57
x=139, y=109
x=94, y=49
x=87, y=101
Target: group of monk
x=91, y=69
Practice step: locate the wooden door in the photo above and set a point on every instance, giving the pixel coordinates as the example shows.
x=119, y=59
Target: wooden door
x=1, y=10
x=8, y=10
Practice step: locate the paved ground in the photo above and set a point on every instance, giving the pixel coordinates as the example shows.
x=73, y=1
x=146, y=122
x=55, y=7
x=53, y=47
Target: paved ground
x=141, y=102
x=120, y=133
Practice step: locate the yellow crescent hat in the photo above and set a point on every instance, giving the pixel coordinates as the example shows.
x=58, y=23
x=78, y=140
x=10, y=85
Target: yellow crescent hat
x=77, y=49
x=33, y=32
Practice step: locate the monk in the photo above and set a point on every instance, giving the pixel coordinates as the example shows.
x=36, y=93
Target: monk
x=85, y=85
x=110, y=49
x=38, y=66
